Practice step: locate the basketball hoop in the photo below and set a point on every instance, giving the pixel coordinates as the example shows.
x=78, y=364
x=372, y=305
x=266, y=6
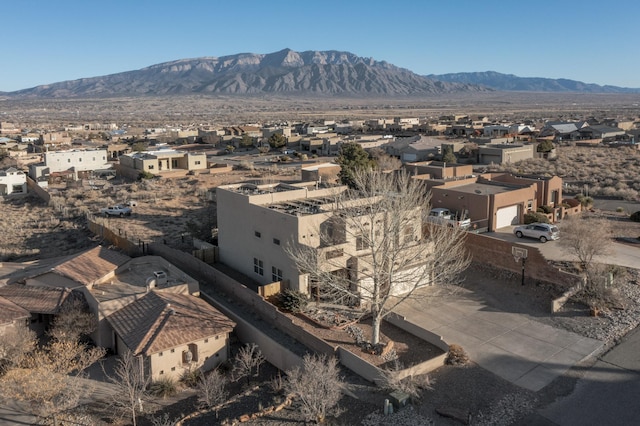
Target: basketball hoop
x=518, y=254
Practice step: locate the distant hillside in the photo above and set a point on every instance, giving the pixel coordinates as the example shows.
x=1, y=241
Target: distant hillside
x=285, y=72
x=510, y=82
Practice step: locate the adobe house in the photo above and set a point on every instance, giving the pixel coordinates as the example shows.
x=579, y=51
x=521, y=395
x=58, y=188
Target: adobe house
x=172, y=334
x=110, y=280
x=491, y=200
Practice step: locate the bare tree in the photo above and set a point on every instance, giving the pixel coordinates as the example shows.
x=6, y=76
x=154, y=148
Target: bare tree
x=383, y=160
x=74, y=321
x=48, y=379
x=379, y=227
x=211, y=389
x=15, y=344
x=317, y=385
x=131, y=383
x=588, y=239
x=248, y=359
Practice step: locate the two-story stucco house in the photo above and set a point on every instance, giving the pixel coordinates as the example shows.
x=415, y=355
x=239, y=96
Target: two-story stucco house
x=257, y=224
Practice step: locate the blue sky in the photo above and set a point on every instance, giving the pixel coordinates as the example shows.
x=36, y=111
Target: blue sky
x=47, y=41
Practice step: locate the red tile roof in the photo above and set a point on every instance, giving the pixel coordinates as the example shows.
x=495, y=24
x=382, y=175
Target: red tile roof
x=10, y=312
x=37, y=300
x=159, y=321
x=91, y=265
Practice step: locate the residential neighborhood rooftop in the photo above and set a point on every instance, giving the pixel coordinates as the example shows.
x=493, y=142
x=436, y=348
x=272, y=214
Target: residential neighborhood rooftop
x=41, y=300
x=138, y=276
x=161, y=320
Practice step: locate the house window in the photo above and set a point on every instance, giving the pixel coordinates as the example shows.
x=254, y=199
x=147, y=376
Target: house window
x=257, y=234
x=159, y=353
x=197, y=163
x=150, y=167
x=173, y=350
x=258, y=266
x=530, y=205
x=173, y=369
x=206, y=340
x=80, y=160
x=93, y=159
x=408, y=234
x=360, y=242
x=332, y=254
x=68, y=160
x=276, y=274
x=161, y=372
x=276, y=241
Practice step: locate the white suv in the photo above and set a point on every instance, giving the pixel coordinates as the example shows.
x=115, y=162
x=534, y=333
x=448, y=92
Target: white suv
x=540, y=231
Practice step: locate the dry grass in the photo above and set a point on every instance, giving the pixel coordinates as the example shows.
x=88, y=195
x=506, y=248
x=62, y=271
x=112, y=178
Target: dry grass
x=168, y=210
x=608, y=172
x=32, y=230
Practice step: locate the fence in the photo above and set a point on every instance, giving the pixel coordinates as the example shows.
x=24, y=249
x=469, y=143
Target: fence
x=497, y=253
x=272, y=289
x=39, y=191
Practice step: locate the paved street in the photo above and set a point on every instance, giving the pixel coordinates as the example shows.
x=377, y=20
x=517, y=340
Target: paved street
x=607, y=394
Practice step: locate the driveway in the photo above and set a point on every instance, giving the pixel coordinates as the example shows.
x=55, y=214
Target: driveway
x=511, y=345
x=621, y=254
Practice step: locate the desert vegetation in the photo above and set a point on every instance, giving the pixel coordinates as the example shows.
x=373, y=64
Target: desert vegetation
x=597, y=171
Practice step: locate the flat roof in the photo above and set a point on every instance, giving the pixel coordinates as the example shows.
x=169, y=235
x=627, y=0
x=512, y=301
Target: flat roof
x=131, y=278
x=481, y=188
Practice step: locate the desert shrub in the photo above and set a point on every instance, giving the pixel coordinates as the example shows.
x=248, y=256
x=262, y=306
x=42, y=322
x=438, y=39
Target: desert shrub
x=545, y=209
x=584, y=200
x=163, y=387
x=532, y=217
x=245, y=165
x=620, y=209
x=411, y=384
x=317, y=385
x=247, y=361
x=635, y=217
x=191, y=378
x=145, y=175
x=211, y=389
x=292, y=301
x=456, y=355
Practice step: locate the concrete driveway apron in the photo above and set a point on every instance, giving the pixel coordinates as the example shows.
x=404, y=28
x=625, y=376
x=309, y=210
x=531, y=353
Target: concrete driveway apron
x=523, y=351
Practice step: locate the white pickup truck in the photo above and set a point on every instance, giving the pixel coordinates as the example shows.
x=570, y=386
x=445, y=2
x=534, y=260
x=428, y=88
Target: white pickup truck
x=443, y=216
x=117, y=210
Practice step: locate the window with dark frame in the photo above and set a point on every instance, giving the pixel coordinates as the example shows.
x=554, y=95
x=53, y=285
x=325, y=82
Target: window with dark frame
x=258, y=266
x=276, y=274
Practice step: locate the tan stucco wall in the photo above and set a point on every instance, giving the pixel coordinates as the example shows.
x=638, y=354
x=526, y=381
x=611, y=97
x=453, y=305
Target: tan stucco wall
x=169, y=363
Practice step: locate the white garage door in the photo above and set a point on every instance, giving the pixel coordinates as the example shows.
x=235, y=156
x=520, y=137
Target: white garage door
x=507, y=216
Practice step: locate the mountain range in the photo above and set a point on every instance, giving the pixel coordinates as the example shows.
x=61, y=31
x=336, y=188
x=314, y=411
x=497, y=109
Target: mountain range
x=289, y=73
x=510, y=82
